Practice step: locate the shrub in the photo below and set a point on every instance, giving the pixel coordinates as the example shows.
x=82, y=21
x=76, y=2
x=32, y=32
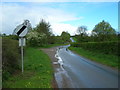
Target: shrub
x=36, y=39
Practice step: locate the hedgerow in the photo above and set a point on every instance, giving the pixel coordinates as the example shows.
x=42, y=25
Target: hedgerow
x=103, y=47
x=10, y=57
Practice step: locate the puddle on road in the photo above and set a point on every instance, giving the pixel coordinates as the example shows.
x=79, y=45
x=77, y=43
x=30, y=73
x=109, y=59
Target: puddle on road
x=61, y=76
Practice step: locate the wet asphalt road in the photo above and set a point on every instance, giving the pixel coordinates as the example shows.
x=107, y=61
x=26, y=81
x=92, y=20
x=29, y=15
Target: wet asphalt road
x=84, y=73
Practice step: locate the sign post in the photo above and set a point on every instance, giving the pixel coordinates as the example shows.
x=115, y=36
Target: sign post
x=22, y=54
x=21, y=31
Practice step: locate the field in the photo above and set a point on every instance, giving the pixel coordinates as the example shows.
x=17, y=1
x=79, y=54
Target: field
x=38, y=72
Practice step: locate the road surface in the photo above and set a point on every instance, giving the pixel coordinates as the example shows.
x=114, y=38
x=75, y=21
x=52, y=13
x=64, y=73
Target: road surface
x=78, y=72
x=72, y=39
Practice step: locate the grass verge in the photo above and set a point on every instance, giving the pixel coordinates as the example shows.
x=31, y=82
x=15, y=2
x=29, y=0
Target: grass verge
x=38, y=71
x=109, y=60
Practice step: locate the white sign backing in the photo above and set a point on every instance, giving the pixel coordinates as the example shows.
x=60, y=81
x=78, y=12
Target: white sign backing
x=22, y=42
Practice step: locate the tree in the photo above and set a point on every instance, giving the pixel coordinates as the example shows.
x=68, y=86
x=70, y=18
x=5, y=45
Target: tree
x=103, y=28
x=82, y=37
x=44, y=27
x=82, y=30
x=104, y=32
x=42, y=34
x=65, y=36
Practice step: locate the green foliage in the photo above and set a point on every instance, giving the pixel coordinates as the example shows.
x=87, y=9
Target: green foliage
x=103, y=47
x=10, y=57
x=103, y=28
x=14, y=37
x=41, y=35
x=106, y=59
x=102, y=37
x=81, y=38
x=43, y=27
x=101, y=32
x=38, y=71
x=51, y=39
x=96, y=38
x=58, y=40
x=36, y=39
x=65, y=36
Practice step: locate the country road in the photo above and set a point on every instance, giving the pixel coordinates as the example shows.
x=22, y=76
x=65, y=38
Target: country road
x=82, y=73
x=74, y=71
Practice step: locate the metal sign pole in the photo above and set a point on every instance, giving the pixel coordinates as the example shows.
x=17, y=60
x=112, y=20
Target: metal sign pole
x=22, y=54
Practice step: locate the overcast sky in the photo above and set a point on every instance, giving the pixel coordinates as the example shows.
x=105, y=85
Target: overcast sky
x=63, y=16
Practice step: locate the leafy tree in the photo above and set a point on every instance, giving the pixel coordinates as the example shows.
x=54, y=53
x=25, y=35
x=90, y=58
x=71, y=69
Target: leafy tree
x=43, y=27
x=104, y=32
x=65, y=36
x=103, y=28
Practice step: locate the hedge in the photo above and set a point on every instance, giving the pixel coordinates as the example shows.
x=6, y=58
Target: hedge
x=10, y=57
x=104, y=47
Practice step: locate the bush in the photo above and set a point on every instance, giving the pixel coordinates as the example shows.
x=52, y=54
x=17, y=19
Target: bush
x=10, y=57
x=36, y=39
x=104, y=47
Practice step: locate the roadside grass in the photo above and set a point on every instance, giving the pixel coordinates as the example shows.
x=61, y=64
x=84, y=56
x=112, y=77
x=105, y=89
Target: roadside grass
x=109, y=60
x=38, y=72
